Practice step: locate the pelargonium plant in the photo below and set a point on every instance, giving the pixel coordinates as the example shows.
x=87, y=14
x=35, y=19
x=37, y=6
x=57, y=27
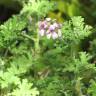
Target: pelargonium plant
x=26, y=60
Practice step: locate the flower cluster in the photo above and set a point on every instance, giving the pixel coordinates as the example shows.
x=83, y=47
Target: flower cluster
x=50, y=28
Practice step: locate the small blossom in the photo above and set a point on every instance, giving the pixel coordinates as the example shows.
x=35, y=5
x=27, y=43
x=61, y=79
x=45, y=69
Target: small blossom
x=49, y=35
x=42, y=32
x=42, y=25
x=48, y=19
x=50, y=29
x=55, y=25
x=54, y=35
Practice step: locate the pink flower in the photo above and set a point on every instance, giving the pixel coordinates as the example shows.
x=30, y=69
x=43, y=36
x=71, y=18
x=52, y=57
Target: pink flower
x=42, y=25
x=50, y=29
x=41, y=32
x=48, y=36
x=55, y=25
x=51, y=32
x=54, y=35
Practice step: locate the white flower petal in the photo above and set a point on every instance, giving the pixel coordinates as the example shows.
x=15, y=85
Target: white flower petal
x=48, y=19
x=49, y=35
x=54, y=35
x=52, y=27
x=55, y=25
x=45, y=26
x=41, y=32
x=59, y=33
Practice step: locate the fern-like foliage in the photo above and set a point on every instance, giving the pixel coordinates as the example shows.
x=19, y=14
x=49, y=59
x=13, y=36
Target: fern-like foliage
x=24, y=89
x=75, y=29
x=92, y=88
x=55, y=67
x=10, y=30
x=17, y=68
x=39, y=7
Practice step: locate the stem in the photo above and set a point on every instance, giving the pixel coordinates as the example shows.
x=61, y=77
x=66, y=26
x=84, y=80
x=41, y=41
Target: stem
x=6, y=52
x=74, y=49
x=37, y=48
x=78, y=87
x=27, y=36
x=36, y=42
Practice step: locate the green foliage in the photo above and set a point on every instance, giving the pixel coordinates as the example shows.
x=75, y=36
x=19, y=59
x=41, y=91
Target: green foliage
x=92, y=88
x=39, y=7
x=66, y=9
x=55, y=67
x=93, y=47
x=13, y=28
x=16, y=68
x=24, y=89
x=75, y=29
